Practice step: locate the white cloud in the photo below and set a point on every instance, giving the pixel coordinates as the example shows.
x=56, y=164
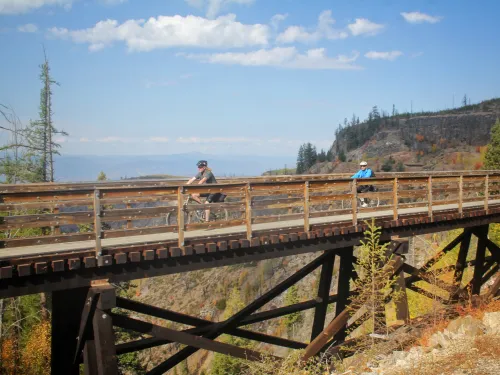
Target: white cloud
x=157, y=139
x=84, y=139
x=25, y=6
x=169, y=31
x=28, y=28
x=416, y=54
x=60, y=139
x=214, y=7
x=417, y=17
x=286, y=57
x=391, y=56
x=362, y=26
x=277, y=19
x=324, y=29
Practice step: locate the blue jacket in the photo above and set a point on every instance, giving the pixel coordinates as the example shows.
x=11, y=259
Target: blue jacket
x=367, y=173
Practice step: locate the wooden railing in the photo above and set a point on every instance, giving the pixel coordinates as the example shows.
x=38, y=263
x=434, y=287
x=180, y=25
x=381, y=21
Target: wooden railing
x=44, y=214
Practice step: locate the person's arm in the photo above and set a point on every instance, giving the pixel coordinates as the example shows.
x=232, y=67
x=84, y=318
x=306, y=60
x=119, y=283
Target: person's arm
x=191, y=180
x=202, y=181
x=356, y=175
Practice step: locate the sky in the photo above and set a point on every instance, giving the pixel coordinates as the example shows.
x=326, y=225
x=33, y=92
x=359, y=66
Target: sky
x=246, y=77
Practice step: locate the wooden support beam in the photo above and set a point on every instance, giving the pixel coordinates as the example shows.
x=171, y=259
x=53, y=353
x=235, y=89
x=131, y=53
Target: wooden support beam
x=306, y=206
x=189, y=339
x=248, y=211
x=236, y=319
x=343, y=287
x=67, y=306
x=323, y=294
x=180, y=216
x=461, y=263
x=482, y=237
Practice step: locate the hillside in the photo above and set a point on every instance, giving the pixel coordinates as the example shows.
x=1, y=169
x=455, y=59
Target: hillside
x=445, y=140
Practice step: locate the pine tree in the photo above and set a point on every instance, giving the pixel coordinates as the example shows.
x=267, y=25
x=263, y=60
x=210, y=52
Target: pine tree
x=102, y=176
x=464, y=100
x=492, y=156
x=40, y=134
x=300, y=161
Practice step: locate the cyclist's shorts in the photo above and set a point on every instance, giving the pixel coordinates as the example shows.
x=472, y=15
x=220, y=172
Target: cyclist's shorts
x=213, y=198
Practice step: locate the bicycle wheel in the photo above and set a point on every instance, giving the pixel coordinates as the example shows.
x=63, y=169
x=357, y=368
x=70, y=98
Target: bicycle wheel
x=193, y=217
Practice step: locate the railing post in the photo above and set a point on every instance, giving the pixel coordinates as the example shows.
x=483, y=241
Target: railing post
x=180, y=215
x=97, y=222
x=429, y=195
x=461, y=195
x=354, y=202
x=395, y=198
x=486, y=192
x=248, y=212
x=306, y=206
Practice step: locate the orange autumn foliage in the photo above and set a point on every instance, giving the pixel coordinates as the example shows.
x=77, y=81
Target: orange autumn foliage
x=36, y=355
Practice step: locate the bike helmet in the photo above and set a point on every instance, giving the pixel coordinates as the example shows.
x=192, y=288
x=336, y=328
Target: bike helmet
x=363, y=163
x=201, y=164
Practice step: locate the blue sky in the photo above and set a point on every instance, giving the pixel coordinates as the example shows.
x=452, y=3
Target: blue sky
x=240, y=76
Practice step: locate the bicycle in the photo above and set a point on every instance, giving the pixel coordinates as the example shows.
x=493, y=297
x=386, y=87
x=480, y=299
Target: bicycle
x=198, y=215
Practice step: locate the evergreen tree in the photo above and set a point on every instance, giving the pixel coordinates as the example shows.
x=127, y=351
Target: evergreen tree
x=464, y=100
x=40, y=134
x=301, y=166
x=492, y=156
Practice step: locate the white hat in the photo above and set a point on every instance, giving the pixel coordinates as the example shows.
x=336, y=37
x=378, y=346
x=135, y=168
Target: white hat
x=363, y=163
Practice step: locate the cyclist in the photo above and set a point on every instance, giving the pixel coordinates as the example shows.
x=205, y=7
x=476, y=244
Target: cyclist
x=364, y=172
x=206, y=176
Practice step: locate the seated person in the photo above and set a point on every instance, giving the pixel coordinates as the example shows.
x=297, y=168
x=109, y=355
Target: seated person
x=364, y=172
x=205, y=176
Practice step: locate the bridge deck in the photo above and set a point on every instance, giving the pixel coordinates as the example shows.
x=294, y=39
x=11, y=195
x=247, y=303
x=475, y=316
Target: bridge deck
x=30, y=251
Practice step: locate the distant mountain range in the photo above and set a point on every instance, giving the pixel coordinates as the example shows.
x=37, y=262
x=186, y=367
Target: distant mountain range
x=87, y=167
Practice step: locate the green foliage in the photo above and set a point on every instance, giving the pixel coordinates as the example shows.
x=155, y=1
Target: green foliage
x=400, y=167
x=388, y=164
x=292, y=297
x=374, y=281
x=342, y=156
x=102, y=176
x=492, y=157
x=224, y=364
x=221, y=304
x=306, y=157
x=183, y=368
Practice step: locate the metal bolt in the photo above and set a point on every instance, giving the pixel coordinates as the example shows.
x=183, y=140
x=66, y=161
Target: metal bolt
x=104, y=316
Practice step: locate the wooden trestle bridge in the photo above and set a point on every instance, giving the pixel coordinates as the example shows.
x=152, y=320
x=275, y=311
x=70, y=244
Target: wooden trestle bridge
x=75, y=240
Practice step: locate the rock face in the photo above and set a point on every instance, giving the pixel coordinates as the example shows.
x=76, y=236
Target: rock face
x=422, y=132
x=465, y=337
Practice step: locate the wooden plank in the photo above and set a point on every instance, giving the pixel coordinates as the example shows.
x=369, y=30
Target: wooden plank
x=395, y=199
x=139, y=231
x=136, y=213
x=460, y=195
x=97, y=222
x=354, y=202
x=236, y=207
x=45, y=240
x=429, y=196
x=248, y=211
x=90, y=262
x=286, y=202
x=40, y=268
x=276, y=218
x=215, y=224
x=306, y=206
x=181, y=227
x=45, y=220
x=132, y=192
x=486, y=195
x=328, y=198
